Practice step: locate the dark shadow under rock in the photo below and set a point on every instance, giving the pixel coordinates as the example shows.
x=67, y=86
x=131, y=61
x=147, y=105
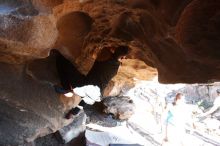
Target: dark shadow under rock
x=70, y=135
x=51, y=140
x=97, y=116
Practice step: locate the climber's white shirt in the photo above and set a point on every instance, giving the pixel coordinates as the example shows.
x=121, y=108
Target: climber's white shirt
x=69, y=94
x=89, y=93
x=217, y=101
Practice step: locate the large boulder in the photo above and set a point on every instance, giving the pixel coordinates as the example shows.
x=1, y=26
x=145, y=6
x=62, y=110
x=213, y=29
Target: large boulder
x=120, y=107
x=30, y=107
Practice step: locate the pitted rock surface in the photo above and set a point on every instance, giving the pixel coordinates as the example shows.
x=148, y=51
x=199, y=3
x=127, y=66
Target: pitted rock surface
x=121, y=107
x=178, y=38
x=30, y=108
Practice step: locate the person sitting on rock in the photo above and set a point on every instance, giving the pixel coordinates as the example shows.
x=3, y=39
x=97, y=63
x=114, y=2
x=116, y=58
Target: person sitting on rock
x=100, y=74
x=71, y=79
x=216, y=106
x=89, y=95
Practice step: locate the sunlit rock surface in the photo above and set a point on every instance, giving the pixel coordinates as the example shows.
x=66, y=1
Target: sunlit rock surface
x=197, y=92
x=129, y=71
x=148, y=121
x=150, y=99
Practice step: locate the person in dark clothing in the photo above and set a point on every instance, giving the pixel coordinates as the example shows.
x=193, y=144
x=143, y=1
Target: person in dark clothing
x=100, y=74
x=103, y=71
x=69, y=76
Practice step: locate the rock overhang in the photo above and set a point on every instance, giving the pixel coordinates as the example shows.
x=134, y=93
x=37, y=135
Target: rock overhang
x=166, y=37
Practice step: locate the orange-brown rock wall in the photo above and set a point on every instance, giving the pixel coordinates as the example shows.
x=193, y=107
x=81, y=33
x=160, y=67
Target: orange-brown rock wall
x=179, y=38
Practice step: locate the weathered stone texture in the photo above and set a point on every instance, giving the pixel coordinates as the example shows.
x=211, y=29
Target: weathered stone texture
x=178, y=38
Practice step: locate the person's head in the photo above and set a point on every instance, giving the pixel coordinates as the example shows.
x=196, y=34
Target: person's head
x=121, y=51
x=178, y=97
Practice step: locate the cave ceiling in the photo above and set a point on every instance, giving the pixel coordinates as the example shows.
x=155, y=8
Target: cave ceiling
x=181, y=39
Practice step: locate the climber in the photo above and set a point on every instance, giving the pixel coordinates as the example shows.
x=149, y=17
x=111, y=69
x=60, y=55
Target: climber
x=174, y=120
x=215, y=107
x=69, y=76
x=100, y=74
x=103, y=71
x=89, y=95
x=71, y=82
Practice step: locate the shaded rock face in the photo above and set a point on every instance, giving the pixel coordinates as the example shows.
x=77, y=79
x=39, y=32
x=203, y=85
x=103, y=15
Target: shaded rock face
x=96, y=115
x=74, y=129
x=197, y=32
x=30, y=107
x=24, y=33
x=179, y=38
